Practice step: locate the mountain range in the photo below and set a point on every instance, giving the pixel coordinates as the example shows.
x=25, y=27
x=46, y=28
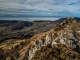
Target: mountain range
x=24, y=29
x=53, y=40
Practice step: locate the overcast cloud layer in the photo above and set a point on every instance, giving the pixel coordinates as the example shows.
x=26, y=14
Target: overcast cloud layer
x=37, y=8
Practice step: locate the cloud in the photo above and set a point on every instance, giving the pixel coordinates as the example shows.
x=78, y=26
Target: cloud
x=71, y=3
x=40, y=7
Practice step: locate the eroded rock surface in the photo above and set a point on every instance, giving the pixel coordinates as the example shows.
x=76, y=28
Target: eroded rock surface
x=63, y=34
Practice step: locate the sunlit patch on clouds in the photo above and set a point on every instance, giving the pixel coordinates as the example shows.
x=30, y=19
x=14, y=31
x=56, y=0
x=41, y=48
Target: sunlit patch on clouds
x=64, y=8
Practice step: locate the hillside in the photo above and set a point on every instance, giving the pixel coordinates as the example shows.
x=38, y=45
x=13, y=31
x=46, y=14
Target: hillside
x=24, y=29
x=60, y=43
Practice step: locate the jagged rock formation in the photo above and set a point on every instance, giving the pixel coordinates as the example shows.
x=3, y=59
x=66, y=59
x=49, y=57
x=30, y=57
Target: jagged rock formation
x=67, y=33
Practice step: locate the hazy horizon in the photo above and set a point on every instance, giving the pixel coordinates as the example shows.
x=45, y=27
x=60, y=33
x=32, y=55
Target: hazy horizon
x=31, y=19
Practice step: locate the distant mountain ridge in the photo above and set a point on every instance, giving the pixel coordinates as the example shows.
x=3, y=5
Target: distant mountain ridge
x=21, y=29
x=5, y=22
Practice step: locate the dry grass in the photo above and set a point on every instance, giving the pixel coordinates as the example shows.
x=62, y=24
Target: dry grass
x=8, y=44
x=59, y=52
x=38, y=36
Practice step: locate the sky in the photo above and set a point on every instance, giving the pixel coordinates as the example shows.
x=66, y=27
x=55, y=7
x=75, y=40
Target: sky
x=39, y=8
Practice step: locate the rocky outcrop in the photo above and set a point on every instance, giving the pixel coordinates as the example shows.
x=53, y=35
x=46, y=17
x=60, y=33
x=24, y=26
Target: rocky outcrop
x=59, y=35
x=37, y=45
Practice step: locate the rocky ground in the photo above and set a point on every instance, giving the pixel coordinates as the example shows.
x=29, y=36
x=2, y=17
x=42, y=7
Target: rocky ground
x=66, y=37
